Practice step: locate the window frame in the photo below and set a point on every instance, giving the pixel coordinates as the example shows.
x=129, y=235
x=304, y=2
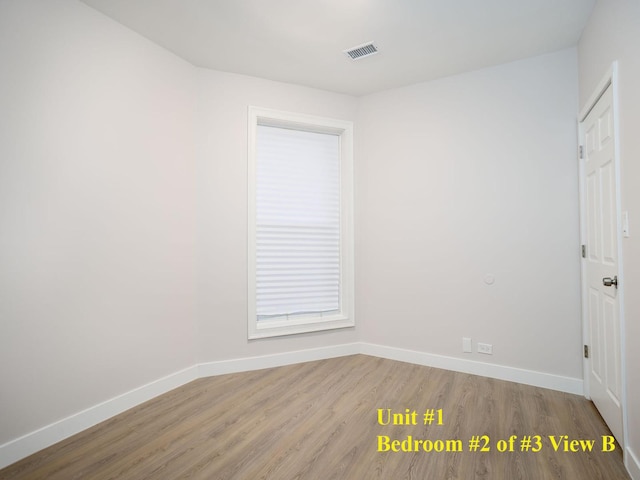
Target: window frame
x=303, y=324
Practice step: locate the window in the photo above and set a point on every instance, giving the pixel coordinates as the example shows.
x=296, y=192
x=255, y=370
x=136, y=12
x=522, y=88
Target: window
x=300, y=223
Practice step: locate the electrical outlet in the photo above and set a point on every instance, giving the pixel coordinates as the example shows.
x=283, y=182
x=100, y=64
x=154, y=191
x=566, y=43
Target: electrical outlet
x=485, y=348
x=466, y=345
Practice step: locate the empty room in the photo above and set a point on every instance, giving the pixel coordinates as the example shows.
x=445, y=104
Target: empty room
x=362, y=239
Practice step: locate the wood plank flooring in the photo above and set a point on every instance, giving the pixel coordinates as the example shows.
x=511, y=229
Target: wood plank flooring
x=320, y=420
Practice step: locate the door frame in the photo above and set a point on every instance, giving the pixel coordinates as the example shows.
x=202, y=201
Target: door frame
x=609, y=79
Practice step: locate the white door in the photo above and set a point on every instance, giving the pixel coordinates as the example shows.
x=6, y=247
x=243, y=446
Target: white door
x=601, y=262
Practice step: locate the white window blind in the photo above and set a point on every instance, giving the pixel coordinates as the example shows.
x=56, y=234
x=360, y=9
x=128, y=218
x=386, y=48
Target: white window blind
x=297, y=223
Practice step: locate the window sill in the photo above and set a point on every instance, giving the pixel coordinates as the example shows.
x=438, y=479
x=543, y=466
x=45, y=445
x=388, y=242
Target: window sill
x=278, y=328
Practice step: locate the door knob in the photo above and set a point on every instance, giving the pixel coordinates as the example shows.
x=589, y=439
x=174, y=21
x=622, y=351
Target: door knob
x=607, y=281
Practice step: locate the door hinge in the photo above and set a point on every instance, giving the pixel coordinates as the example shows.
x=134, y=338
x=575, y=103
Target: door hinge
x=586, y=351
x=581, y=151
x=583, y=250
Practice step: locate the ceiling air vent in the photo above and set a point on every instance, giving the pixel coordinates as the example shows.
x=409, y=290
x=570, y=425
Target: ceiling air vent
x=361, y=51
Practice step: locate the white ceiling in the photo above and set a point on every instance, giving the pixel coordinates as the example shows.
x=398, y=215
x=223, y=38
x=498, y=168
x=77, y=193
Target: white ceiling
x=301, y=41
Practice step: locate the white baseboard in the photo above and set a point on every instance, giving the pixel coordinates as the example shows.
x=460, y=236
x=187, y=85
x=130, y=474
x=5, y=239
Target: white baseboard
x=500, y=372
x=30, y=443
x=632, y=463
x=24, y=446
x=276, y=360
x=528, y=377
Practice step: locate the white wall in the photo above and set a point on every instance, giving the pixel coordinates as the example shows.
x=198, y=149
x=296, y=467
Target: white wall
x=466, y=176
x=613, y=33
x=97, y=212
x=123, y=209
x=222, y=208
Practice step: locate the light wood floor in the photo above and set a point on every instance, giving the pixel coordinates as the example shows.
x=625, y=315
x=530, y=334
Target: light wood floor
x=319, y=420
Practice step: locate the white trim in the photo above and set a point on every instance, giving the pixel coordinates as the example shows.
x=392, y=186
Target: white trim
x=583, y=241
x=266, y=329
x=500, y=372
x=276, y=360
x=632, y=463
x=30, y=443
x=622, y=288
x=490, y=370
x=24, y=446
x=346, y=316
